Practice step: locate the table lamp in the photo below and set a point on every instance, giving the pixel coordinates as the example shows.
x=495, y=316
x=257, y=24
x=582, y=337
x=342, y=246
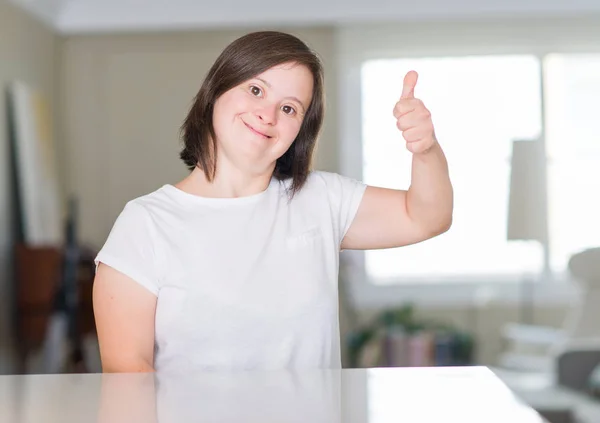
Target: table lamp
x=527, y=208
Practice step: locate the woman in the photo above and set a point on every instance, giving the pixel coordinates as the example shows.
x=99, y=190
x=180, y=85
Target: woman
x=236, y=266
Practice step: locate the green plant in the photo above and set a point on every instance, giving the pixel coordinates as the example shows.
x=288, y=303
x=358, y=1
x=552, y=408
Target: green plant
x=403, y=317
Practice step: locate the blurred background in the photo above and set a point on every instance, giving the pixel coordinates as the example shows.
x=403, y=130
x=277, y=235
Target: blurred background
x=96, y=92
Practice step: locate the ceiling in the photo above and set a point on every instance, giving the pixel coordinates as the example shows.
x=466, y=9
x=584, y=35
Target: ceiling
x=84, y=16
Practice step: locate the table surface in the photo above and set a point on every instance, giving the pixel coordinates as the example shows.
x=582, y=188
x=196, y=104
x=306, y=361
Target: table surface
x=540, y=390
x=435, y=394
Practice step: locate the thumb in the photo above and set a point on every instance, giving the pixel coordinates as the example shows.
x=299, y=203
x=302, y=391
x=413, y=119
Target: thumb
x=408, y=88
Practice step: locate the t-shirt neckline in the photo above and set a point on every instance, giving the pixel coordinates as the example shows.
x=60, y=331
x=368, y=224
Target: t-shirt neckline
x=247, y=199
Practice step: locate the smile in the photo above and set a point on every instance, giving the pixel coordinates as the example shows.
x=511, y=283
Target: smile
x=256, y=132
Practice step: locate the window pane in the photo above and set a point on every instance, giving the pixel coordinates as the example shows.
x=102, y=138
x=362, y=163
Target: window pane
x=573, y=145
x=479, y=105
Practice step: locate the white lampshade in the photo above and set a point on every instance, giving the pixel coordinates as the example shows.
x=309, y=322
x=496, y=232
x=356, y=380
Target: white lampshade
x=527, y=204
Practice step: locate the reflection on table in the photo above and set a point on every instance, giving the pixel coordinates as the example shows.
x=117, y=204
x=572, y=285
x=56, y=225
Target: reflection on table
x=465, y=394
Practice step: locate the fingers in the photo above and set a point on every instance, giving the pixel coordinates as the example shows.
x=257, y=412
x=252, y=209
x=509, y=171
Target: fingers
x=407, y=123
x=417, y=133
x=410, y=82
x=405, y=108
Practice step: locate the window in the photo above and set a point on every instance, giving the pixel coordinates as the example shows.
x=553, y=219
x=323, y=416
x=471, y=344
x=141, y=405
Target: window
x=573, y=151
x=480, y=104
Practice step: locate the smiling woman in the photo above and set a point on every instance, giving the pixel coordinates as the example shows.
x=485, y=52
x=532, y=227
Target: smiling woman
x=236, y=266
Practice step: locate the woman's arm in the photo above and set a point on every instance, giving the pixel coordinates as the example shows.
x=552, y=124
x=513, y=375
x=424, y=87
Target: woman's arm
x=124, y=313
x=389, y=218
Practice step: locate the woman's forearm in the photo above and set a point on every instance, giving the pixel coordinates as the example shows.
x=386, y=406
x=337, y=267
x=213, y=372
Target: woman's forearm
x=430, y=198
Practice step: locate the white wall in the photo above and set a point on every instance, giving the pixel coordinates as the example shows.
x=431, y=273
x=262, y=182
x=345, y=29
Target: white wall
x=29, y=51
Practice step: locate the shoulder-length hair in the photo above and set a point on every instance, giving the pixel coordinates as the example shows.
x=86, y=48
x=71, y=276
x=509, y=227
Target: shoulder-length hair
x=244, y=59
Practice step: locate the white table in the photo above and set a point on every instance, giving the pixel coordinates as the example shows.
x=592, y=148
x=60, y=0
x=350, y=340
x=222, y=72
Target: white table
x=402, y=395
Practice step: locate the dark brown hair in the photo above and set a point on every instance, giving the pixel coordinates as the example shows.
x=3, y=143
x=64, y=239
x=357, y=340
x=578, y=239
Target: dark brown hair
x=244, y=59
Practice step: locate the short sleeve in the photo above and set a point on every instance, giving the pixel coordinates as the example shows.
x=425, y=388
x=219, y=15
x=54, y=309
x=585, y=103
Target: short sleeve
x=345, y=195
x=130, y=247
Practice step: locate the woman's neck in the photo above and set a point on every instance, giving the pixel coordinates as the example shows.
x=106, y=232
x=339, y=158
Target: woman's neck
x=228, y=183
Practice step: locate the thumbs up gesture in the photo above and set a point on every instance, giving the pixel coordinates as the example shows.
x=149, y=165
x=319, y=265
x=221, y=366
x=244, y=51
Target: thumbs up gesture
x=413, y=118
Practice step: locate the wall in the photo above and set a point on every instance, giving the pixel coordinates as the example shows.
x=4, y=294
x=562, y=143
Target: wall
x=29, y=51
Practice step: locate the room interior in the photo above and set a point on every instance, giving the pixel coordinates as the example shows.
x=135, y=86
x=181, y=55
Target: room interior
x=519, y=290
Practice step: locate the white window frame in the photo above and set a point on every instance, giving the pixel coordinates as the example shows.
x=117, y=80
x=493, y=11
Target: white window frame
x=356, y=44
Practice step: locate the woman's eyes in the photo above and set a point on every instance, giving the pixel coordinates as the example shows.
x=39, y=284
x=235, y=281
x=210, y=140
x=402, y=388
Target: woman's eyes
x=258, y=92
x=288, y=110
x=255, y=90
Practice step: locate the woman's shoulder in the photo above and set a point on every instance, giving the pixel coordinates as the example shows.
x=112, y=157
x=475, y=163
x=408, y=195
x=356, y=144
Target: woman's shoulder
x=144, y=206
x=330, y=181
x=321, y=178
x=158, y=198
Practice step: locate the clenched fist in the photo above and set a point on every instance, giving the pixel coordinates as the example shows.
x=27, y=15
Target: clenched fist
x=413, y=118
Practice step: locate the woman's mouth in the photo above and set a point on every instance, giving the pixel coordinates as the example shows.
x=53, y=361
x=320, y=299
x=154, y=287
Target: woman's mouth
x=256, y=132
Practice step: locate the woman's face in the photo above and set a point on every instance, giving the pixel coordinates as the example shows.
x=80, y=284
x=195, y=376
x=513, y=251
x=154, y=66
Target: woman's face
x=257, y=121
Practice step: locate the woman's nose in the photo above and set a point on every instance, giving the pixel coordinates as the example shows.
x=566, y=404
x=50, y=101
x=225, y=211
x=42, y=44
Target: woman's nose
x=267, y=114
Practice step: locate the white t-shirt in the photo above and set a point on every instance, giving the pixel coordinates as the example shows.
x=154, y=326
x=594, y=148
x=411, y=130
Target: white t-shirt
x=242, y=283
